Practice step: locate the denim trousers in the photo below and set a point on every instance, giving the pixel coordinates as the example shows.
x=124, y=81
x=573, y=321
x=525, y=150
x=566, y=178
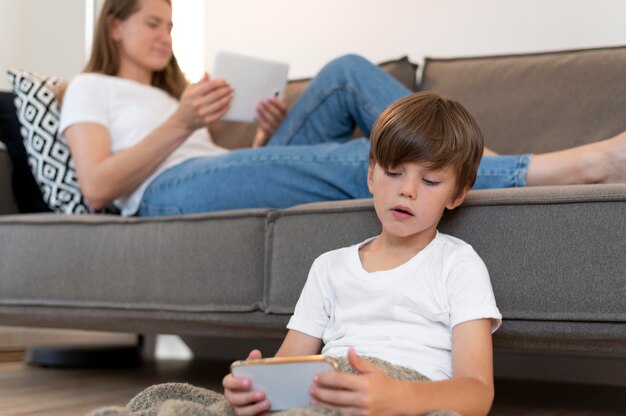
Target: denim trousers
x=310, y=158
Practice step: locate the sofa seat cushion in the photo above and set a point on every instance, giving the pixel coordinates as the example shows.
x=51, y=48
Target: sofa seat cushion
x=195, y=263
x=553, y=253
x=537, y=102
x=320, y=227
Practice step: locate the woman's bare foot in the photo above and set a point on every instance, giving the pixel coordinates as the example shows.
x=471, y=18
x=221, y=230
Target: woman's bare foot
x=598, y=162
x=489, y=152
x=615, y=158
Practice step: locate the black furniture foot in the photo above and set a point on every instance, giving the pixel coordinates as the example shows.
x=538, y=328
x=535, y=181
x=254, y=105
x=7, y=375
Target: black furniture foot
x=86, y=356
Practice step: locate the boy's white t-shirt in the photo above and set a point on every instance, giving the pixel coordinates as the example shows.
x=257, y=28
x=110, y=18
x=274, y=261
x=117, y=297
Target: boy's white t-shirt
x=130, y=111
x=404, y=315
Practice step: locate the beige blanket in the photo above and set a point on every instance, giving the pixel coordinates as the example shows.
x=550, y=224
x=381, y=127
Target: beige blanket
x=180, y=399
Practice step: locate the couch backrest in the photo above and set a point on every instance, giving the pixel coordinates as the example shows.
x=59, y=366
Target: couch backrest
x=538, y=102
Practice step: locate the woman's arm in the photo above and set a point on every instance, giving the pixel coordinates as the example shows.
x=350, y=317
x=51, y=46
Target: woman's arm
x=104, y=176
x=269, y=114
x=469, y=392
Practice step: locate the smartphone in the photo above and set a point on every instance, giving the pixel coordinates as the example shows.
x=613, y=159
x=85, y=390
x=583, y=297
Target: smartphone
x=284, y=380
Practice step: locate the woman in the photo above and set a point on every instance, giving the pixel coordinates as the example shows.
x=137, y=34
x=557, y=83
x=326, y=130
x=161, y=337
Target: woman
x=139, y=138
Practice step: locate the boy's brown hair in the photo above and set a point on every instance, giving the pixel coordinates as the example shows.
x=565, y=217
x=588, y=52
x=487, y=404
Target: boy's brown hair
x=427, y=128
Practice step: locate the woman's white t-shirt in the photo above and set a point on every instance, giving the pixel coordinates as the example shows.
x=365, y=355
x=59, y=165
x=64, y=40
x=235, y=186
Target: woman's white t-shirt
x=404, y=315
x=130, y=111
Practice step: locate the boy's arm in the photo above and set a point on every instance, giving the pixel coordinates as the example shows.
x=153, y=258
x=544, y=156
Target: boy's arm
x=469, y=392
x=299, y=343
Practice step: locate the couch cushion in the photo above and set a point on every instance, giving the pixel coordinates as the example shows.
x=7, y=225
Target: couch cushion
x=25, y=189
x=194, y=263
x=553, y=253
x=537, y=102
x=48, y=157
x=315, y=229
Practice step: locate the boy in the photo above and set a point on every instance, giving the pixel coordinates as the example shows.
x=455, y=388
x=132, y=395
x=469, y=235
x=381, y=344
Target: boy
x=410, y=296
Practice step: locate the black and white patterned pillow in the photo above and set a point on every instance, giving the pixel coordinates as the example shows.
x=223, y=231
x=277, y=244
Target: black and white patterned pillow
x=48, y=156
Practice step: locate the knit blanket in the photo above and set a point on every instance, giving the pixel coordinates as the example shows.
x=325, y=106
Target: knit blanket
x=181, y=399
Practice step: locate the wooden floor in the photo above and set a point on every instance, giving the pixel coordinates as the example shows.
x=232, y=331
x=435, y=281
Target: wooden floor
x=27, y=390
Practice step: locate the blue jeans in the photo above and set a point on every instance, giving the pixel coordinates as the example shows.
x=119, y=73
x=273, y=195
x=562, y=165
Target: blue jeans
x=310, y=158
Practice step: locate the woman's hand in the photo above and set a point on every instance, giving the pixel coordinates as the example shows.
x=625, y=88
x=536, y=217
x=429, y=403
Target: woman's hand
x=238, y=393
x=269, y=114
x=371, y=392
x=203, y=103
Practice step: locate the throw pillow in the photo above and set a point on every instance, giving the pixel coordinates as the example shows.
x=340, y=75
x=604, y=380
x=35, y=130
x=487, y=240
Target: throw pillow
x=403, y=70
x=48, y=156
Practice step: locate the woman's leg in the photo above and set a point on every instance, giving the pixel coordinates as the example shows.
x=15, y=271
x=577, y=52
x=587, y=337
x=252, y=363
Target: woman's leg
x=283, y=176
x=348, y=91
x=599, y=162
x=502, y=171
x=268, y=177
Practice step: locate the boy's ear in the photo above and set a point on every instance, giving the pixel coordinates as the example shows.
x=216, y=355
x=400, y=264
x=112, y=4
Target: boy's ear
x=370, y=178
x=459, y=198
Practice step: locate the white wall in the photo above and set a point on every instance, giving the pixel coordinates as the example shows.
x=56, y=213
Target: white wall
x=9, y=32
x=49, y=36
x=42, y=36
x=308, y=34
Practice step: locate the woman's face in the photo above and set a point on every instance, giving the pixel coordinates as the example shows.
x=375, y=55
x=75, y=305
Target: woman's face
x=144, y=40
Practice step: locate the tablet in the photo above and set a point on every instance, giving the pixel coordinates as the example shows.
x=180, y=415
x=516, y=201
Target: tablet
x=284, y=380
x=252, y=79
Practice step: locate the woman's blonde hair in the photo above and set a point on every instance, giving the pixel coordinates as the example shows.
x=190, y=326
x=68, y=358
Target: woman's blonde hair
x=105, y=56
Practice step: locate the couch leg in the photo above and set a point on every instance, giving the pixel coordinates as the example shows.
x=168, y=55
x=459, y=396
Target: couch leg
x=147, y=346
x=87, y=356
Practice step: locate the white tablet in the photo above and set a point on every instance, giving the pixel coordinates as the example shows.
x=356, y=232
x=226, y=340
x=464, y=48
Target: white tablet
x=252, y=80
x=285, y=380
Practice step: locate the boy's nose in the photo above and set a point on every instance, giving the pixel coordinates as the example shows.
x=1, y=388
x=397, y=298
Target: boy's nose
x=409, y=189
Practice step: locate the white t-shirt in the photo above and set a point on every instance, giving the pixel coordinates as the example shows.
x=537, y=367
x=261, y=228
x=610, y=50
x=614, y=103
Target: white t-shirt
x=130, y=111
x=404, y=315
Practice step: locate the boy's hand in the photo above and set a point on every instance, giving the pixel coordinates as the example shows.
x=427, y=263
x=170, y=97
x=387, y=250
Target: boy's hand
x=371, y=392
x=238, y=393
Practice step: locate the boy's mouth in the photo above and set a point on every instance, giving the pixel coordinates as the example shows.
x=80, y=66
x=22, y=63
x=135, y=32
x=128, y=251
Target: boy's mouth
x=402, y=211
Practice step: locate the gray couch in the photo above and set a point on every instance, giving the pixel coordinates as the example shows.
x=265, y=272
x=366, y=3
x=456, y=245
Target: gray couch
x=557, y=255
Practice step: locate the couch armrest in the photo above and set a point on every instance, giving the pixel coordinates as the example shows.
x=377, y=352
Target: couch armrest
x=7, y=201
